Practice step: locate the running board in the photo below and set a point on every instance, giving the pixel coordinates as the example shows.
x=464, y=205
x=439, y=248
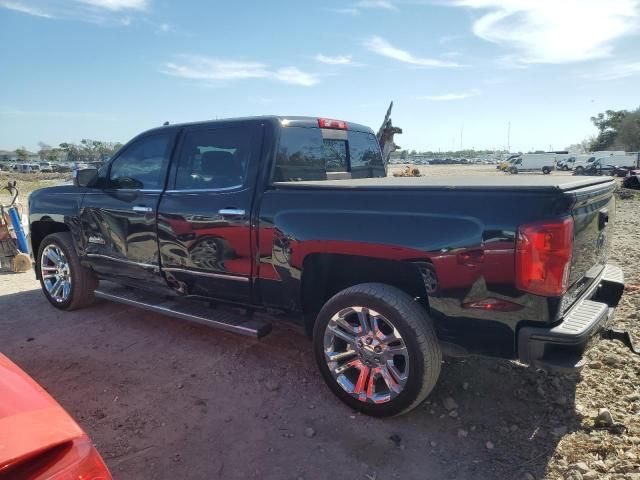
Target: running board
x=223, y=317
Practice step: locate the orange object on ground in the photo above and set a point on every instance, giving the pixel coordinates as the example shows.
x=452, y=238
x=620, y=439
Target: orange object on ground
x=38, y=438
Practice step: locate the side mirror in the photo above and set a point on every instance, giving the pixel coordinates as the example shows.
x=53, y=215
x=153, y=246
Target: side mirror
x=85, y=178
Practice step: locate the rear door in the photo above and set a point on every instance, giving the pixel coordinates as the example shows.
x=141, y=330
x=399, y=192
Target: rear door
x=204, y=217
x=118, y=217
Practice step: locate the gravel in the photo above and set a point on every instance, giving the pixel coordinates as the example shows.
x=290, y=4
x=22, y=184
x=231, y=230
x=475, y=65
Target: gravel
x=243, y=409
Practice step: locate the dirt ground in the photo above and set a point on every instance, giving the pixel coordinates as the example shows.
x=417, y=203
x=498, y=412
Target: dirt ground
x=163, y=398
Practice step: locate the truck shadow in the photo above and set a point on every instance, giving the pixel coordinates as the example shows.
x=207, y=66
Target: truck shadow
x=485, y=419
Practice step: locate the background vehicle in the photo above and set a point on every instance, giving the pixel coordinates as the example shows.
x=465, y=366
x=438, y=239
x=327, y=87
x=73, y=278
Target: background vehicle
x=297, y=215
x=39, y=439
x=46, y=167
x=618, y=165
x=533, y=162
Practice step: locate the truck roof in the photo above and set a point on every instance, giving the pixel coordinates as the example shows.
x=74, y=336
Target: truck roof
x=280, y=120
x=514, y=182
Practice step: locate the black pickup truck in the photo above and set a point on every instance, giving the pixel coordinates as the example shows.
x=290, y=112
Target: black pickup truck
x=295, y=217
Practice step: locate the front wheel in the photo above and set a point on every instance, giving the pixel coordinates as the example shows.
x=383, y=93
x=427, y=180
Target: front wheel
x=546, y=170
x=579, y=170
x=377, y=349
x=65, y=282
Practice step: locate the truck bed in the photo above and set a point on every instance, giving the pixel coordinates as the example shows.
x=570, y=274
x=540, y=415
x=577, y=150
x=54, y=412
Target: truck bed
x=549, y=183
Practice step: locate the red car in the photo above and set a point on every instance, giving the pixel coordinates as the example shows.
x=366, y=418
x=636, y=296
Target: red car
x=38, y=438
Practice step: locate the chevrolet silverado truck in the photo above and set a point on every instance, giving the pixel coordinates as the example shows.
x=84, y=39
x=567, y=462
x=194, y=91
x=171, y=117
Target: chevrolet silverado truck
x=237, y=223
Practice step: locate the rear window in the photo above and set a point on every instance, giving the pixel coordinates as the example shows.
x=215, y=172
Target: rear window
x=315, y=154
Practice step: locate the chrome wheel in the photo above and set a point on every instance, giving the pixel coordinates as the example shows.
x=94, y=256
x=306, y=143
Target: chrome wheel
x=205, y=253
x=366, y=355
x=430, y=279
x=56, y=273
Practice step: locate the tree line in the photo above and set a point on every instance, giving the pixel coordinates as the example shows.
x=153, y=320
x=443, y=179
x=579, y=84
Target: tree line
x=87, y=150
x=468, y=153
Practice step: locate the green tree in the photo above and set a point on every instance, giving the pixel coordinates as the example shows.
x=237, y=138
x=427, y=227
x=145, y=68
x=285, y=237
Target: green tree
x=404, y=154
x=608, y=124
x=22, y=153
x=628, y=136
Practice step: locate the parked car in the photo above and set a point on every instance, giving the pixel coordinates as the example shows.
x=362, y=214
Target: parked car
x=296, y=215
x=46, y=167
x=38, y=438
x=23, y=168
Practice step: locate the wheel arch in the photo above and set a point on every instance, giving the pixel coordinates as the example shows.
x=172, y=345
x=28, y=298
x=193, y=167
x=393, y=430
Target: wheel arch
x=324, y=275
x=39, y=230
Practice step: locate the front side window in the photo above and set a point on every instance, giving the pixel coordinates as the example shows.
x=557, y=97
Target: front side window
x=214, y=159
x=141, y=165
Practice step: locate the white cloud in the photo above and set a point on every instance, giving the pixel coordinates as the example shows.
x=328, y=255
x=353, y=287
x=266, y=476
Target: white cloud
x=613, y=71
x=196, y=67
x=552, y=31
x=116, y=5
x=451, y=96
x=25, y=8
x=382, y=47
x=382, y=4
x=355, y=8
x=94, y=11
x=347, y=10
x=337, y=60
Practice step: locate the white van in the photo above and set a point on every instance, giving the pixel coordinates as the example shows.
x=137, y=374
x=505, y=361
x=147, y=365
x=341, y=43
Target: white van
x=579, y=162
x=533, y=162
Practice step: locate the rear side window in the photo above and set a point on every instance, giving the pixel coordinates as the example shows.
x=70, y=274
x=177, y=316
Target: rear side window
x=310, y=153
x=214, y=159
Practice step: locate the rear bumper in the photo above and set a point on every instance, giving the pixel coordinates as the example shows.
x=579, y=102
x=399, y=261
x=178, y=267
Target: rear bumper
x=560, y=348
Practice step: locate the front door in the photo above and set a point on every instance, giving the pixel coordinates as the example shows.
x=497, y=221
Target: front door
x=204, y=217
x=118, y=217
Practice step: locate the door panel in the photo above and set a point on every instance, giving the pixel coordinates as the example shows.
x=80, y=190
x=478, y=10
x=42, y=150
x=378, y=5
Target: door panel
x=204, y=221
x=121, y=241
x=118, y=217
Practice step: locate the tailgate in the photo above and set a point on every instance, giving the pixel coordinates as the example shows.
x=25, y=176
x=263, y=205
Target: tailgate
x=593, y=215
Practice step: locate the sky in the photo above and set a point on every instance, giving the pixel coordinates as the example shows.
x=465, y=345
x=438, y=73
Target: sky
x=459, y=72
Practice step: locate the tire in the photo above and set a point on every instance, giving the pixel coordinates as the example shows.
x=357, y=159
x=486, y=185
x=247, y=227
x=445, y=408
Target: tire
x=82, y=283
x=546, y=170
x=579, y=170
x=412, y=324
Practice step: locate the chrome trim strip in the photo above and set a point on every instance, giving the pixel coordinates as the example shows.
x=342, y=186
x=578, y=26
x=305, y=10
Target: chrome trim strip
x=205, y=190
x=124, y=190
x=206, y=274
x=231, y=211
x=122, y=260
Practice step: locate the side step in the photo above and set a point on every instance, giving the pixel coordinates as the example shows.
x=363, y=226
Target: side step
x=225, y=318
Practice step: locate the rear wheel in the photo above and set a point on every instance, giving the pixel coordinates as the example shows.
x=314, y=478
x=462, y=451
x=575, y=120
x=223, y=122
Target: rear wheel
x=65, y=282
x=376, y=349
x=546, y=170
x=579, y=170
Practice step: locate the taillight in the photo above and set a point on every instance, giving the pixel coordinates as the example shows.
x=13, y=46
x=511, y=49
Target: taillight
x=335, y=124
x=74, y=460
x=543, y=257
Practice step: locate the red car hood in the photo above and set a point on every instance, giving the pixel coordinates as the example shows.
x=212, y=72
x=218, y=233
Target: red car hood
x=30, y=419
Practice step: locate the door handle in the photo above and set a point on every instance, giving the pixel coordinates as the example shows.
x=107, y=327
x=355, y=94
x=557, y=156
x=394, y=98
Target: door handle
x=141, y=209
x=231, y=211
